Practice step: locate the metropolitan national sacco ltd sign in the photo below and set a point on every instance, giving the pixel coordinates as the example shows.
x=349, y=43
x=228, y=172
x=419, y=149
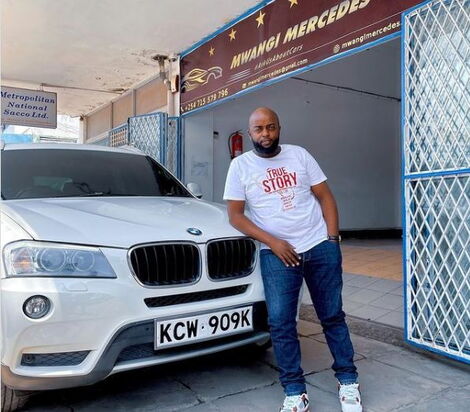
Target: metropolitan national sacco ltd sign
x=25, y=107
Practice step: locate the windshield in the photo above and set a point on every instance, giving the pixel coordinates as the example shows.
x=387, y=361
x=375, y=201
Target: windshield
x=45, y=173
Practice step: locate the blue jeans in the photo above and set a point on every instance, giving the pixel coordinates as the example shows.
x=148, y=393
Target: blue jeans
x=321, y=269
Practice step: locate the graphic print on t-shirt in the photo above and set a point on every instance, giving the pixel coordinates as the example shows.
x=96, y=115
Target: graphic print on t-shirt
x=281, y=182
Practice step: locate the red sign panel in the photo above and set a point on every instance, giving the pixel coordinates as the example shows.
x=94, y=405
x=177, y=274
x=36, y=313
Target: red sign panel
x=283, y=36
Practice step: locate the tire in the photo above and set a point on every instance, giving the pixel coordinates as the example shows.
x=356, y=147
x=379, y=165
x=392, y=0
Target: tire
x=13, y=399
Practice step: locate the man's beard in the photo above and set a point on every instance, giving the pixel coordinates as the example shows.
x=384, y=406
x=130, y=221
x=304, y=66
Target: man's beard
x=266, y=150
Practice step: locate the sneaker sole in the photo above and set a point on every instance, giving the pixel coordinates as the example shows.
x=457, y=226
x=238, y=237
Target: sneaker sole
x=307, y=409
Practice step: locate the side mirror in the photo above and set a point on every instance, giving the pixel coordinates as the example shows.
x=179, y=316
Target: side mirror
x=195, y=189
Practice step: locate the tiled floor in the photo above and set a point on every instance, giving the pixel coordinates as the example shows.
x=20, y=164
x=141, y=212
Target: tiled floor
x=380, y=258
x=373, y=285
x=380, y=300
x=366, y=297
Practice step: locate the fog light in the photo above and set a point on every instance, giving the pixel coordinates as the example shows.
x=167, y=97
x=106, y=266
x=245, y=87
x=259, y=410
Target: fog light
x=36, y=307
x=28, y=358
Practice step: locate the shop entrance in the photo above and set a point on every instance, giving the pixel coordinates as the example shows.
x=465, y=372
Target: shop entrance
x=347, y=115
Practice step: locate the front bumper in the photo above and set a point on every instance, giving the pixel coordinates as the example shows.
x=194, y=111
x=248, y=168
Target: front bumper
x=105, y=326
x=132, y=347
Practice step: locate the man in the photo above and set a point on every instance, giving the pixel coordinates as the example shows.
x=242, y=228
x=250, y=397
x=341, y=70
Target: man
x=294, y=215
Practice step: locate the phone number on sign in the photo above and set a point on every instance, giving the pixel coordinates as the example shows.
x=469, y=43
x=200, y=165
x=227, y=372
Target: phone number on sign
x=205, y=100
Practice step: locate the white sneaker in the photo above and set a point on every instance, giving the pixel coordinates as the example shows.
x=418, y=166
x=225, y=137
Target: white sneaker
x=295, y=403
x=350, y=398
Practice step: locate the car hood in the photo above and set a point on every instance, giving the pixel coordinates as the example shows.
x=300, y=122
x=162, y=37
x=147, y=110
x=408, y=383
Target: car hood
x=119, y=222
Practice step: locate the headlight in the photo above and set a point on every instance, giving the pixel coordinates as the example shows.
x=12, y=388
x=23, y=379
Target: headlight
x=28, y=258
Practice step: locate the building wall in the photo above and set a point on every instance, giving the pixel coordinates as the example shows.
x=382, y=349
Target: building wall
x=150, y=97
x=199, y=156
x=99, y=122
x=122, y=109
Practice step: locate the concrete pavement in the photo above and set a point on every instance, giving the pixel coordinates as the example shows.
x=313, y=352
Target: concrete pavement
x=393, y=377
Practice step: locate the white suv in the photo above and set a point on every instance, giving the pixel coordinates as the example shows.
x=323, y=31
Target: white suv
x=111, y=264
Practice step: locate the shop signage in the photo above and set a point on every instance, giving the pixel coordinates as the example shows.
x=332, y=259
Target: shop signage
x=283, y=36
x=25, y=107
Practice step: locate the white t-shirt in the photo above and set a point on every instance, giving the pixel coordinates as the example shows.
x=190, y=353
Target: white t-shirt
x=278, y=195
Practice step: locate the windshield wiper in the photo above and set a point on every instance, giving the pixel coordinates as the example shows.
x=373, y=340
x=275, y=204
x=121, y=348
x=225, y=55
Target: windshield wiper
x=108, y=194
x=91, y=194
x=119, y=194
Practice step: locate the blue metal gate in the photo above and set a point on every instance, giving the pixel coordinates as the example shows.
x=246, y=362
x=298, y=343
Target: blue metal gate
x=174, y=160
x=155, y=134
x=119, y=136
x=436, y=176
x=147, y=133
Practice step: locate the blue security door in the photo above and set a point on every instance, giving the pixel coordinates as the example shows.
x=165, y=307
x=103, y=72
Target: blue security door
x=155, y=134
x=436, y=176
x=147, y=133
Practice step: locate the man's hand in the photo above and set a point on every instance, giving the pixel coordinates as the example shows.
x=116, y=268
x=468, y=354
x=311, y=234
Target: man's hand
x=284, y=251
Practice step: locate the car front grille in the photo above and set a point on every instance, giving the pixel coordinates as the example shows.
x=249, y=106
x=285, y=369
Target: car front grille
x=54, y=359
x=230, y=258
x=166, y=264
x=195, y=296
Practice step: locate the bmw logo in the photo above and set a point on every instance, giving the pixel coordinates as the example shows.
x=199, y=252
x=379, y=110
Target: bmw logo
x=194, y=231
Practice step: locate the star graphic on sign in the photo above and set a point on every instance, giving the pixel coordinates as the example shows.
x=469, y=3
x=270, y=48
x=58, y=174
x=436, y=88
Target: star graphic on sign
x=211, y=51
x=232, y=34
x=260, y=18
x=292, y=2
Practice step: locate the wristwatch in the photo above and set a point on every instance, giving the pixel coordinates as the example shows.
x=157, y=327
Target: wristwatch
x=336, y=238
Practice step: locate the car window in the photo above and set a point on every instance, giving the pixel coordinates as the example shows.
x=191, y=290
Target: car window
x=42, y=173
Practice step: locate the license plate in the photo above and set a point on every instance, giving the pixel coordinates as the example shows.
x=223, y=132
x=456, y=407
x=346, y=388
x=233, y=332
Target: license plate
x=181, y=331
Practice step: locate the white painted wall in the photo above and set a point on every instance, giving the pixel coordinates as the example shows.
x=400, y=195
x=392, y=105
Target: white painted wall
x=198, y=152
x=355, y=137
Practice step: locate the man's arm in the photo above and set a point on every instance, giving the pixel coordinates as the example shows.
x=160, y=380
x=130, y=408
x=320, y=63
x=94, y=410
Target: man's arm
x=282, y=249
x=328, y=206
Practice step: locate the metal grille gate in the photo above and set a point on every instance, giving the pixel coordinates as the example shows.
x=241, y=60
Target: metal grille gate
x=174, y=159
x=119, y=136
x=155, y=134
x=147, y=133
x=436, y=175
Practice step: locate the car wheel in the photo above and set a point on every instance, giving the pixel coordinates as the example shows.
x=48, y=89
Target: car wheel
x=13, y=399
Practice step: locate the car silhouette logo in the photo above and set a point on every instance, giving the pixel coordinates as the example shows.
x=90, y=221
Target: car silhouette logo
x=199, y=77
x=194, y=231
